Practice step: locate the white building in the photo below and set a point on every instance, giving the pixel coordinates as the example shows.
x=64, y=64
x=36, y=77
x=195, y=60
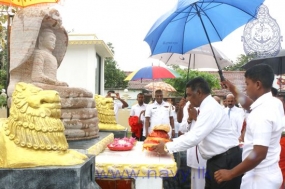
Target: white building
x=83, y=64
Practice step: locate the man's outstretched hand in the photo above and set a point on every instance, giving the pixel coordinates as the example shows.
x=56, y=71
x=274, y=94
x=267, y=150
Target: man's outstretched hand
x=226, y=84
x=159, y=149
x=223, y=175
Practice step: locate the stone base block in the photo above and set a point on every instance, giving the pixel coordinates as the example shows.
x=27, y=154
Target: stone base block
x=117, y=134
x=53, y=177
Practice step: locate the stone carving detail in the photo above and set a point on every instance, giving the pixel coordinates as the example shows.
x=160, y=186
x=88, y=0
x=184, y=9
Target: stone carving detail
x=33, y=134
x=106, y=114
x=38, y=45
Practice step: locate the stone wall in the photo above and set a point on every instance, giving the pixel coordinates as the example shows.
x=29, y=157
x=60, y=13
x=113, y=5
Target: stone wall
x=3, y=112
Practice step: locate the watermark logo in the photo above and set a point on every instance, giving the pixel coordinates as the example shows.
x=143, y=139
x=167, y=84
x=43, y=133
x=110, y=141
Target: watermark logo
x=261, y=36
x=182, y=174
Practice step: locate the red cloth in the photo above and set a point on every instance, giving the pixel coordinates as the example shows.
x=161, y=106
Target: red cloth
x=282, y=157
x=136, y=127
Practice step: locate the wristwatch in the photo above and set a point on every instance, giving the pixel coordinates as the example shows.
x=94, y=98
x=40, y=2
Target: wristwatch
x=165, y=149
x=189, y=121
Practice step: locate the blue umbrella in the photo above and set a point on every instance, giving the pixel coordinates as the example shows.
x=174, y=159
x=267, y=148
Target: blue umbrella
x=198, y=22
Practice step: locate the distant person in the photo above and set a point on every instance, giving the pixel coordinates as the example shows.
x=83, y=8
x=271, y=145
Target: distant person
x=225, y=102
x=139, y=110
x=176, y=123
x=235, y=114
x=158, y=113
x=117, y=106
x=174, y=113
x=264, y=126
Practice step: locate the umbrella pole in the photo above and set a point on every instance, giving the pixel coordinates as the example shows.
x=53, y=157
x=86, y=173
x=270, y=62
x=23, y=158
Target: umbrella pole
x=187, y=78
x=188, y=68
x=153, y=88
x=219, y=68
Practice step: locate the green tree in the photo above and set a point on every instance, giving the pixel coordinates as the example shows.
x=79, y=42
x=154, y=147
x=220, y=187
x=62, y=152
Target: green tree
x=3, y=44
x=241, y=60
x=114, y=77
x=180, y=83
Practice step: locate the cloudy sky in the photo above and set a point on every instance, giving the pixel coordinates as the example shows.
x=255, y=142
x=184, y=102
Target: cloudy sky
x=125, y=23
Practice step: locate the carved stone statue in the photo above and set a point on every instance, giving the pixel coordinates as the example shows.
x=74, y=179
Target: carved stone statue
x=33, y=134
x=38, y=45
x=44, y=62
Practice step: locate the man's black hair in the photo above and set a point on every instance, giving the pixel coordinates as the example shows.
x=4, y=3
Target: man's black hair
x=158, y=91
x=274, y=91
x=262, y=73
x=140, y=94
x=111, y=91
x=199, y=83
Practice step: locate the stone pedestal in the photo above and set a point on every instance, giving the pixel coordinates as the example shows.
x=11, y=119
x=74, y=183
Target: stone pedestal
x=53, y=177
x=117, y=134
x=93, y=146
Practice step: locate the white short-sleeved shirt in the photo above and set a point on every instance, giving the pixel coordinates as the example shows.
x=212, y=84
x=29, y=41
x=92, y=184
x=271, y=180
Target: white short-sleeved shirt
x=184, y=126
x=264, y=127
x=159, y=114
x=237, y=116
x=211, y=133
x=136, y=111
x=176, y=123
x=117, y=106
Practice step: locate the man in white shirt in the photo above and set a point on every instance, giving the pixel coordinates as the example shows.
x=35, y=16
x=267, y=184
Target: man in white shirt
x=157, y=113
x=261, y=148
x=235, y=114
x=216, y=141
x=117, y=106
x=194, y=159
x=139, y=110
x=174, y=114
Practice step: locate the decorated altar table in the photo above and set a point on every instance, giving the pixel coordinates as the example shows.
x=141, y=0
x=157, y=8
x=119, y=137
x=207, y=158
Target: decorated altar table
x=147, y=168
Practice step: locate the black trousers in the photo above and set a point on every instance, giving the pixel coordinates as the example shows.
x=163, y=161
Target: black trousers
x=227, y=160
x=142, y=138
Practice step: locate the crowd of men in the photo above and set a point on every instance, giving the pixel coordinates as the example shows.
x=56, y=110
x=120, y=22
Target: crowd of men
x=236, y=143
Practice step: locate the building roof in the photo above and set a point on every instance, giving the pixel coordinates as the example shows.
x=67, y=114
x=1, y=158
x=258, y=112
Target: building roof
x=91, y=39
x=139, y=84
x=236, y=77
